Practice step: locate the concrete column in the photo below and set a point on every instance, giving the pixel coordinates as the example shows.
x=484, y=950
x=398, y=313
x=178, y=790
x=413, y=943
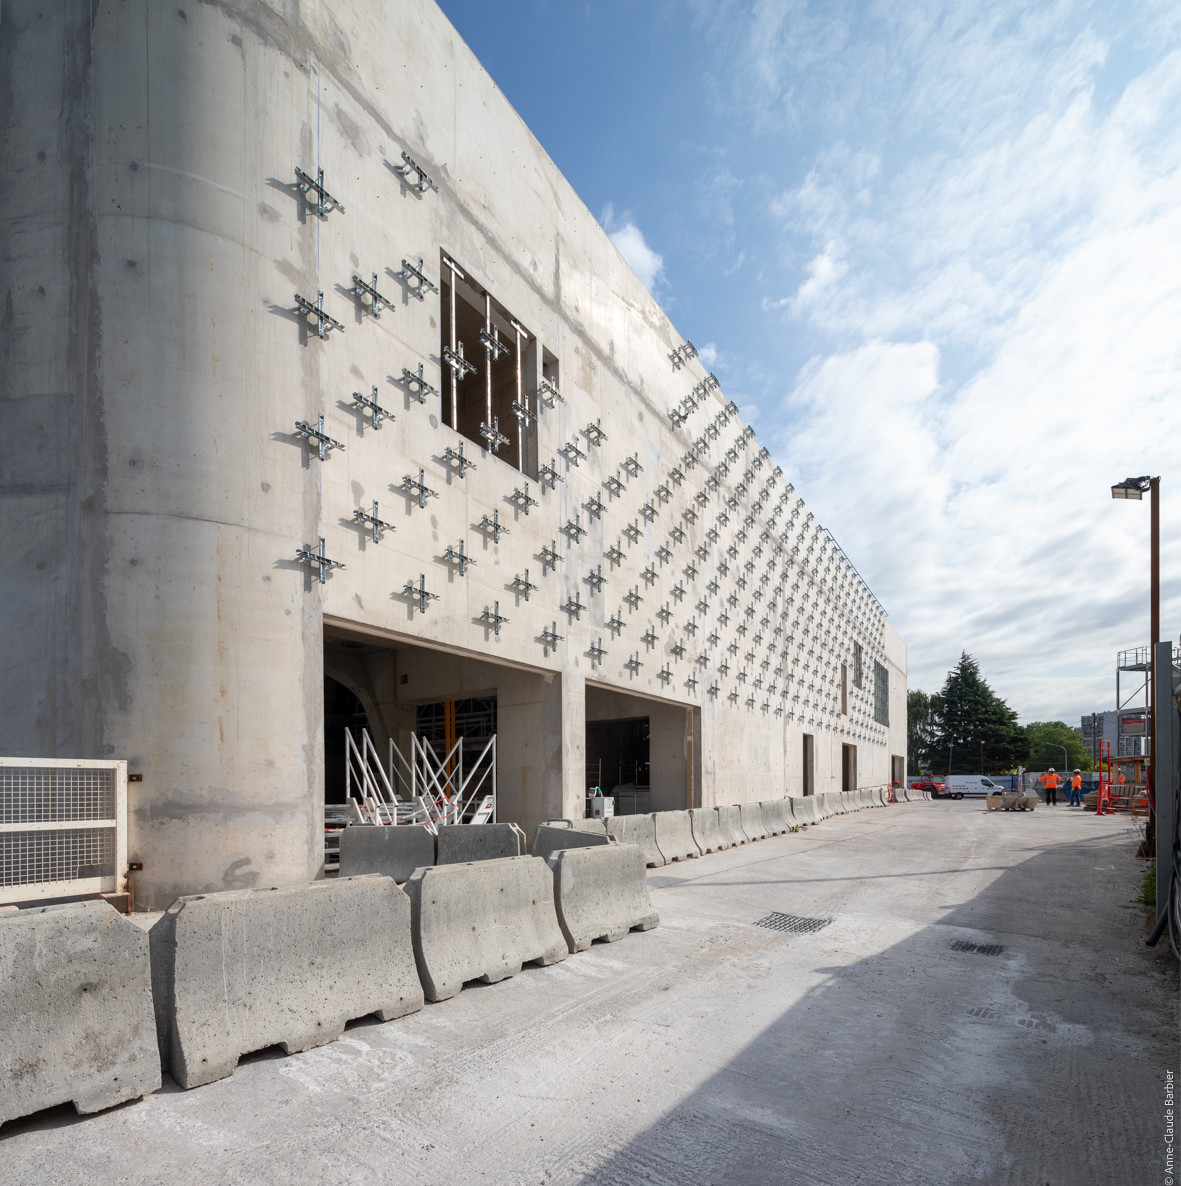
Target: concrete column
x=1166, y=765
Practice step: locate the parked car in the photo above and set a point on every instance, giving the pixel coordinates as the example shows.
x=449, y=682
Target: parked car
x=937, y=790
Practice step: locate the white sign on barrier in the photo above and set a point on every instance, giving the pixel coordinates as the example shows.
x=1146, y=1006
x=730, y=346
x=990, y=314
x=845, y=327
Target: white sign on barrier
x=63, y=827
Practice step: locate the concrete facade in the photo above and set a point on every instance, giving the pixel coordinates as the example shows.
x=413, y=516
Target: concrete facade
x=155, y=490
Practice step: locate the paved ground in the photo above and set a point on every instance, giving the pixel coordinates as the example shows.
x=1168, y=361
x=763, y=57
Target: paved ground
x=714, y=1051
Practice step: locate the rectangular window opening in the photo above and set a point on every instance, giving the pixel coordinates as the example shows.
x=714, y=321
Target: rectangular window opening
x=881, y=694
x=848, y=767
x=489, y=393
x=844, y=690
x=809, y=764
x=857, y=666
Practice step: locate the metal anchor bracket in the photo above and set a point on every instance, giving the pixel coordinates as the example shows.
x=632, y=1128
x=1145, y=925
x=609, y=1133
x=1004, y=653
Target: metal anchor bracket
x=422, y=181
x=595, y=653
x=493, y=527
x=522, y=585
x=492, y=344
x=419, y=593
x=325, y=322
x=363, y=516
x=633, y=598
x=595, y=579
x=493, y=618
x=615, y=624
x=456, y=361
x=458, y=558
x=361, y=290
x=522, y=499
x=417, y=385
x=549, y=557
x=632, y=465
x=573, y=530
x=681, y=355
x=549, y=638
x=633, y=664
x=457, y=461
x=573, y=606
x=649, y=638
x=594, y=433
x=548, y=393
x=369, y=405
x=325, y=202
x=593, y=506
x=318, y=560
x=614, y=555
x=494, y=439
x=664, y=674
x=324, y=444
x=572, y=453
x=632, y=531
x=418, y=489
x=416, y=282
x=548, y=473
x=613, y=486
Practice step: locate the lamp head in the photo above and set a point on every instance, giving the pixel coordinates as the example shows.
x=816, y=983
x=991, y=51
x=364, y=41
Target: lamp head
x=1131, y=488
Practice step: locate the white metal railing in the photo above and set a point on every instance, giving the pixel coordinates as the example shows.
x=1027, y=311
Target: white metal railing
x=63, y=827
x=423, y=788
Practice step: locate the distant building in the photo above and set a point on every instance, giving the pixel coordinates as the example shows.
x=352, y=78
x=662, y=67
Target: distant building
x=1126, y=732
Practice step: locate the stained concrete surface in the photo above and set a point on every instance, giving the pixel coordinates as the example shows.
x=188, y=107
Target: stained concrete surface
x=714, y=1051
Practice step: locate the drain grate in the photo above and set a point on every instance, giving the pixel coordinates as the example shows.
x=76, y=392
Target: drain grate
x=791, y=924
x=976, y=948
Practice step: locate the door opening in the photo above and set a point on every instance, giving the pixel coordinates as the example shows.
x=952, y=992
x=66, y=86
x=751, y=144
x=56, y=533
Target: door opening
x=342, y=710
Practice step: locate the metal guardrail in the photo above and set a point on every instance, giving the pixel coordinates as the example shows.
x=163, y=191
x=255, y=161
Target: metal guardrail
x=63, y=827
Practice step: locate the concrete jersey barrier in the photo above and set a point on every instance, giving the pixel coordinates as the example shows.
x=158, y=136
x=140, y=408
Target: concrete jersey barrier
x=730, y=825
x=832, y=803
x=601, y=893
x=707, y=831
x=547, y=840
x=460, y=843
x=483, y=920
x=850, y=801
x=235, y=972
x=597, y=826
x=751, y=819
x=775, y=817
x=392, y=850
x=674, y=835
x=641, y=830
x=76, y=1022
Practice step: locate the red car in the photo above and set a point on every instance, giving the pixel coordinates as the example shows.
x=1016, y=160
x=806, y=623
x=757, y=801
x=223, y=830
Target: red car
x=938, y=790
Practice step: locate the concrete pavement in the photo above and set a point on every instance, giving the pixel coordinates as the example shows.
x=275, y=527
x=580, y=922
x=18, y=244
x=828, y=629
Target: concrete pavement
x=885, y=1047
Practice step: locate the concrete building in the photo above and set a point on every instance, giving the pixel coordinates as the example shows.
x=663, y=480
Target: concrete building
x=243, y=246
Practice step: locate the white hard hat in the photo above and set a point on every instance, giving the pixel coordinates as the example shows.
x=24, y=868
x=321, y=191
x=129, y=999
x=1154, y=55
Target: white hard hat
x=1051, y=769
x=1077, y=770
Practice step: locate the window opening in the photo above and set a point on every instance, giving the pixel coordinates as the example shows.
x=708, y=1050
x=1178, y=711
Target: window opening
x=881, y=694
x=844, y=690
x=857, y=672
x=809, y=764
x=491, y=361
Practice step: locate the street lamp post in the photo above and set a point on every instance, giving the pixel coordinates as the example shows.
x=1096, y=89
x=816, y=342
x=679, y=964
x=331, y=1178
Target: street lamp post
x=1134, y=488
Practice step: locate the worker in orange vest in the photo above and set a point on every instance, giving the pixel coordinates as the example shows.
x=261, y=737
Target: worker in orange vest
x=1051, y=782
x=1076, y=789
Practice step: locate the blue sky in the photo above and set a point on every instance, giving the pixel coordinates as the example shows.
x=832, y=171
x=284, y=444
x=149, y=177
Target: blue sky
x=933, y=251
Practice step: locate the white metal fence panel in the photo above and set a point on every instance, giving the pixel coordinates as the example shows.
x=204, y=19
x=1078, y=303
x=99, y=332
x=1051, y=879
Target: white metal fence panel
x=63, y=827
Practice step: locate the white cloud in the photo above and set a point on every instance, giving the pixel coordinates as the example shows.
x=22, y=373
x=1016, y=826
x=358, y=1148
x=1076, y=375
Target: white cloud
x=647, y=264
x=708, y=355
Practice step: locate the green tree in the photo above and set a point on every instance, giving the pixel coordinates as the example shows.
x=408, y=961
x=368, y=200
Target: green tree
x=922, y=730
x=1047, y=740
x=976, y=727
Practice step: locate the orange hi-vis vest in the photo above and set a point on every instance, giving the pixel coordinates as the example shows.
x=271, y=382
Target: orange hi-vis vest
x=1077, y=782
x=1053, y=782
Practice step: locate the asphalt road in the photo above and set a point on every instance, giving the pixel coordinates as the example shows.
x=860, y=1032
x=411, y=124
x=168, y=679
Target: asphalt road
x=876, y=1049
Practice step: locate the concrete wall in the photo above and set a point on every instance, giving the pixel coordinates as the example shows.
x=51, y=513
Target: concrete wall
x=155, y=492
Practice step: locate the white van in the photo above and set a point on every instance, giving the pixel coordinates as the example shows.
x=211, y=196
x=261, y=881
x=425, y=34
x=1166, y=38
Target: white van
x=973, y=785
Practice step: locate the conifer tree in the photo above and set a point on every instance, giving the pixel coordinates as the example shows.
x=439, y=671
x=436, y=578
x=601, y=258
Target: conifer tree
x=971, y=713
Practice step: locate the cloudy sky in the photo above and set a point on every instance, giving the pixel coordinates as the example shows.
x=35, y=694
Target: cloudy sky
x=935, y=252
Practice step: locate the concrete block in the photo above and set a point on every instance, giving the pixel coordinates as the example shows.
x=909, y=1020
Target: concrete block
x=730, y=825
x=774, y=817
x=831, y=803
x=849, y=801
x=238, y=971
x=674, y=835
x=641, y=830
x=548, y=840
x=76, y=1022
x=582, y=825
x=483, y=920
x=459, y=843
x=602, y=893
x=706, y=829
x=393, y=851
x=751, y=819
